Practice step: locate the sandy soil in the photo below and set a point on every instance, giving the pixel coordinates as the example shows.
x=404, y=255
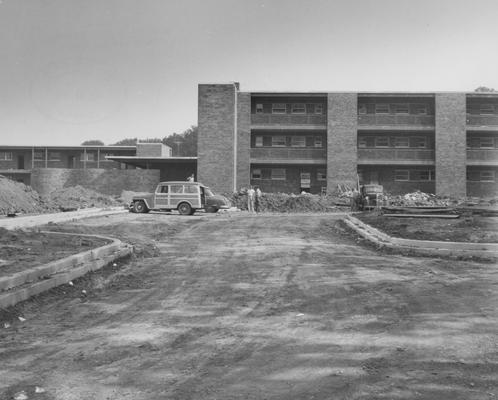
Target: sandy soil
x=256, y=307
x=476, y=229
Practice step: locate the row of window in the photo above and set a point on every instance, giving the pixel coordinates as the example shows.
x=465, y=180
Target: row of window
x=419, y=142
x=293, y=108
x=396, y=108
x=488, y=109
x=414, y=175
x=288, y=141
x=56, y=156
x=486, y=142
x=481, y=176
x=279, y=174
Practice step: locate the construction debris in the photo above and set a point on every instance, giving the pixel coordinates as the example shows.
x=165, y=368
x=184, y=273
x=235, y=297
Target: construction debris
x=417, y=199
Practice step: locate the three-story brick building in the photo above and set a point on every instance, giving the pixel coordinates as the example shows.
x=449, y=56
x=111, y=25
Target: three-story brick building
x=443, y=143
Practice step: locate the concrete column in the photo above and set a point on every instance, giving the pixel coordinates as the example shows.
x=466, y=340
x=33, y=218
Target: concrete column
x=216, y=136
x=342, y=125
x=243, y=140
x=451, y=156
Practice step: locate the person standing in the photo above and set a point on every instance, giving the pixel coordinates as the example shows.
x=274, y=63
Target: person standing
x=257, y=199
x=251, y=194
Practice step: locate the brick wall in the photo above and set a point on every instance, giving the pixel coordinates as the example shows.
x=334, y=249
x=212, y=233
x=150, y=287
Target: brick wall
x=111, y=182
x=153, y=150
x=292, y=183
x=216, y=136
x=342, y=121
x=243, y=139
x=451, y=144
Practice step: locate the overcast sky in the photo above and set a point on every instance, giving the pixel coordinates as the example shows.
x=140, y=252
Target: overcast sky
x=72, y=70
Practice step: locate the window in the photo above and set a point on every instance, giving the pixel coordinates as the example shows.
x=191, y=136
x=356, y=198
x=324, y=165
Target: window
x=382, y=108
x=362, y=142
x=401, y=108
x=256, y=174
x=486, y=143
x=401, y=142
x=6, y=155
x=381, y=141
x=279, y=108
x=39, y=156
x=258, y=141
x=162, y=189
x=362, y=108
x=176, y=188
x=190, y=189
x=401, y=175
x=426, y=175
x=278, y=174
x=298, y=141
x=420, y=109
x=487, y=176
x=318, y=141
x=318, y=108
x=487, y=109
x=89, y=157
x=321, y=175
x=278, y=141
x=54, y=156
x=259, y=108
x=418, y=142
x=298, y=108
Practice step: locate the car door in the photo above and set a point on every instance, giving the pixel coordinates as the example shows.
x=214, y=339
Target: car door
x=162, y=196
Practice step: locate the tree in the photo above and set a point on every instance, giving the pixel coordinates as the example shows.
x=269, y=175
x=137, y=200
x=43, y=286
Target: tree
x=484, y=89
x=94, y=142
x=126, y=142
x=183, y=144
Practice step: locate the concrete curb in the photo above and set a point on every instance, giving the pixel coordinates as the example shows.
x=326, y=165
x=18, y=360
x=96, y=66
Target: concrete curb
x=43, y=219
x=426, y=247
x=22, y=285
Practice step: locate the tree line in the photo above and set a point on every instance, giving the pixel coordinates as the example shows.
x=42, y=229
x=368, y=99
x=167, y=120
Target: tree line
x=182, y=144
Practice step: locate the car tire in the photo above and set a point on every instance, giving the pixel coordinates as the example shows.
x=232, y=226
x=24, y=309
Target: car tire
x=140, y=207
x=184, y=209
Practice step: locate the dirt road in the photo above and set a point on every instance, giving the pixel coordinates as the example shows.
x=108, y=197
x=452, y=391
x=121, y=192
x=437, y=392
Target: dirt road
x=257, y=307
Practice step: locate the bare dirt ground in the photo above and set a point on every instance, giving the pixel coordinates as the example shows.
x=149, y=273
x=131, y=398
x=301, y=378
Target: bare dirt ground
x=256, y=307
x=476, y=229
x=21, y=250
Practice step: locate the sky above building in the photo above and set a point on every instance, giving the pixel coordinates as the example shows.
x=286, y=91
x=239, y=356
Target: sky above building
x=74, y=70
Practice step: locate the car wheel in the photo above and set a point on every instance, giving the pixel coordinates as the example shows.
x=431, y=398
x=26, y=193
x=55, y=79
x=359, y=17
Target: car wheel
x=184, y=209
x=140, y=207
x=212, y=209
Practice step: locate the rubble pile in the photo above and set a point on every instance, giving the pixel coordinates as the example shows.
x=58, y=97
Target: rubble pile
x=16, y=197
x=417, y=199
x=75, y=197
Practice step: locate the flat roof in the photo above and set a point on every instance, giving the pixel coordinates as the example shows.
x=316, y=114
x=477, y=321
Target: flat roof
x=15, y=147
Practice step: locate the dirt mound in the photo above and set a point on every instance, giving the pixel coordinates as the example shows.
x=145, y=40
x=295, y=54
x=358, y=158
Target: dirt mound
x=282, y=202
x=19, y=198
x=418, y=199
x=74, y=197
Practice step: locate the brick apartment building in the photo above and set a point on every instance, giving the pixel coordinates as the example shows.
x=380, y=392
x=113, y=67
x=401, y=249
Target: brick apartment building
x=443, y=143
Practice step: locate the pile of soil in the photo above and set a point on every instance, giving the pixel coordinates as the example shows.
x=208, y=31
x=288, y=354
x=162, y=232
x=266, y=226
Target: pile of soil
x=19, y=198
x=74, y=197
x=283, y=202
x=470, y=229
x=21, y=250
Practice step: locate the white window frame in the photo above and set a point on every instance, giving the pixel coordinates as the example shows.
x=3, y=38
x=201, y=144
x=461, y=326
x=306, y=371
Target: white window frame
x=430, y=175
x=278, y=174
x=6, y=155
x=318, y=109
x=51, y=156
x=377, y=138
x=259, y=108
x=318, y=141
x=489, y=178
x=298, y=141
x=382, y=108
x=258, y=141
x=274, y=142
x=38, y=152
x=486, y=109
x=321, y=175
x=404, y=106
x=298, y=108
x=279, y=108
x=402, y=138
x=399, y=172
x=256, y=174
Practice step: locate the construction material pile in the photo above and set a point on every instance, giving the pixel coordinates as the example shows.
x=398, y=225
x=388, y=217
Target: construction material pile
x=282, y=202
x=417, y=199
x=16, y=197
x=75, y=197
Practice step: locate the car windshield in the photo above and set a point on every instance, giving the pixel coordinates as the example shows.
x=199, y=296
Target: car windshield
x=208, y=192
